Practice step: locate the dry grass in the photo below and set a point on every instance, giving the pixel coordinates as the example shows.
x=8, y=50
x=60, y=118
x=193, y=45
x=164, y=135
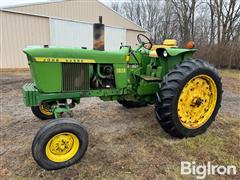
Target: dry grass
x=124, y=143
x=221, y=55
x=231, y=80
x=230, y=73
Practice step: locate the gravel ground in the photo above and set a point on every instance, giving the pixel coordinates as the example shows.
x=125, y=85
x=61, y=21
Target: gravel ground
x=124, y=143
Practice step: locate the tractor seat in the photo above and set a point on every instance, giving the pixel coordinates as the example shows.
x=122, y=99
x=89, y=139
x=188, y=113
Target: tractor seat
x=167, y=43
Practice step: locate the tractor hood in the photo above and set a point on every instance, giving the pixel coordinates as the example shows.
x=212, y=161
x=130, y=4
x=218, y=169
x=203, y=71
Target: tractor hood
x=57, y=54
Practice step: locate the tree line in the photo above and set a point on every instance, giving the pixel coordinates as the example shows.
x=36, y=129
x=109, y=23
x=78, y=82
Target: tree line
x=214, y=25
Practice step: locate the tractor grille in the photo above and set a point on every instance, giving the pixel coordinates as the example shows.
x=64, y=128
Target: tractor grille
x=75, y=76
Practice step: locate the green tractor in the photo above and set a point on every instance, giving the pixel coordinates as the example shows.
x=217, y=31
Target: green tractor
x=186, y=92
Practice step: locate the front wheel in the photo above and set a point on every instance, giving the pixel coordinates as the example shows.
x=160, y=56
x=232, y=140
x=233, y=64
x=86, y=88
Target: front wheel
x=43, y=111
x=59, y=144
x=189, y=99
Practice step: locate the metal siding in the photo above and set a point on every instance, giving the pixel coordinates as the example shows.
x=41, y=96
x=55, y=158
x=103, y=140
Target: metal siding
x=81, y=10
x=114, y=37
x=19, y=31
x=132, y=37
x=71, y=34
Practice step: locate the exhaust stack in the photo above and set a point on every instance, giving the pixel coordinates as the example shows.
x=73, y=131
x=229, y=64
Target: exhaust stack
x=98, y=35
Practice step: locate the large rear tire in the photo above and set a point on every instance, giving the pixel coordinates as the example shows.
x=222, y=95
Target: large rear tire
x=189, y=99
x=59, y=144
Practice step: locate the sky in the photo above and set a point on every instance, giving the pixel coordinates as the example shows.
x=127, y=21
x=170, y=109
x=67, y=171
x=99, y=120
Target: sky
x=4, y=3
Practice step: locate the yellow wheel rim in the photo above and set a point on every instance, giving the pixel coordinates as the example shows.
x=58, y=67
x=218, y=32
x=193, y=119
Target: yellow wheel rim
x=197, y=101
x=62, y=147
x=45, y=110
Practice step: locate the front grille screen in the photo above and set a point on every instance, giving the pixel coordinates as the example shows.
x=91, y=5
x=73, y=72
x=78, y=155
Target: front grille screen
x=75, y=76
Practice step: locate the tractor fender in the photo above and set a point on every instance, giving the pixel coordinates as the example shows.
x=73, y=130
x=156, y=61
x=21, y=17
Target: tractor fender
x=161, y=52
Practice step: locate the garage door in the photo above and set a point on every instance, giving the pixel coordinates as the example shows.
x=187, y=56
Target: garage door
x=71, y=34
x=77, y=34
x=114, y=37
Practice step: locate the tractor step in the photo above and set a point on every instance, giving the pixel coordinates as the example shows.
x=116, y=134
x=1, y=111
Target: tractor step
x=150, y=78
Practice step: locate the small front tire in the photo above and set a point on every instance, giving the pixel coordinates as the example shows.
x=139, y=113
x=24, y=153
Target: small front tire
x=59, y=144
x=42, y=111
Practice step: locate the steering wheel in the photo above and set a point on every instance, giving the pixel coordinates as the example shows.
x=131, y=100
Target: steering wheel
x=139, y=38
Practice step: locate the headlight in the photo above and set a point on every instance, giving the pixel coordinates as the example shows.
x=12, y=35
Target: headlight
x=165, y=54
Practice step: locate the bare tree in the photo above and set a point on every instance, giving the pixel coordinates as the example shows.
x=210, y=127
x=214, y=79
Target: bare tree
x=213, y=24
x=212, y=19
x=185, y=11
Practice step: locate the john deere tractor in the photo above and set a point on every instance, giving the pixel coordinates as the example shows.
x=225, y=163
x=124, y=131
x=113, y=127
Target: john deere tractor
x=186, y=92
